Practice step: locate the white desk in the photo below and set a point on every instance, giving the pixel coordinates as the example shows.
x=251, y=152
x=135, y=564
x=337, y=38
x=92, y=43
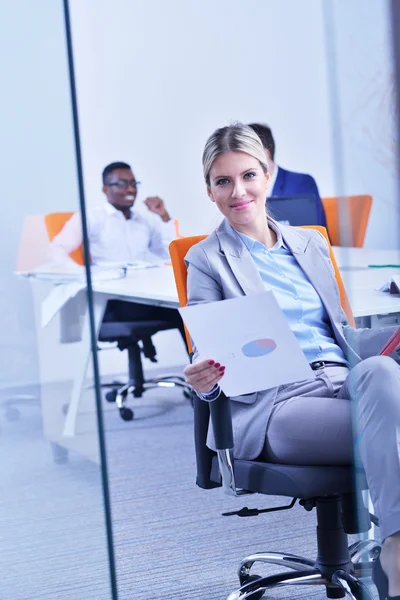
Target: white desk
x=362, y=288
x=148, y=286
x=350, y=258
x=156, y=286
x=362, y=282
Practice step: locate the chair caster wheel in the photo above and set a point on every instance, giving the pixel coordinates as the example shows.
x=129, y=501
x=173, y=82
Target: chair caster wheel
x=337, y=592
x=126, y=413
x=111, y=396
x=12, y=414
x=251, y=579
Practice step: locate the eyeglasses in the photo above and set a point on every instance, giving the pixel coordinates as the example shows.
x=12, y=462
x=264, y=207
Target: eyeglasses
x=123, y=184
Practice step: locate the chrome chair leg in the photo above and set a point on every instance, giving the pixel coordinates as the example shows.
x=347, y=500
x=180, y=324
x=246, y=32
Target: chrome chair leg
x=362, y=548
x=256, y=588
x=253, y=586
x=163, y=382
x=288, y=561
x=363, y=570
x=355, y=589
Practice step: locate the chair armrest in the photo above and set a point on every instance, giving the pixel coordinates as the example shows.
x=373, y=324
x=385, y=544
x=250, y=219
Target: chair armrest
x=221, y=419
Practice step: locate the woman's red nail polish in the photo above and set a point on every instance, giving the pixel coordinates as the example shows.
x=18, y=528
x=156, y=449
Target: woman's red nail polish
x=222, y=369
x=210, y=362
x=217, y=365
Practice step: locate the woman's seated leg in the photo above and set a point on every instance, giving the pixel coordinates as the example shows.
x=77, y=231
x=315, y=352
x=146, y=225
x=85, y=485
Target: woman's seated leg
x=313, y=426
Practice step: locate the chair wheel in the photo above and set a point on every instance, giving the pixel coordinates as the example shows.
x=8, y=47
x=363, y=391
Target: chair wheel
x=337, y=592
x=111, y=396
x=126, y=413
x=12, y=414
x=250, y=579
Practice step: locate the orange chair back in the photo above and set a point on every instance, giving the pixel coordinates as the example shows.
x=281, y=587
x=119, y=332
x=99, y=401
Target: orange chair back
x=355, y=211
x=179, y=248
x=344, y=301
x=54, y=223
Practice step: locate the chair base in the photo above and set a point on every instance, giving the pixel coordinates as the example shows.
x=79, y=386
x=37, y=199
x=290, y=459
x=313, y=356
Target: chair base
x=137, y=384
x=339, y=568
x=120, y=396
x=341, y=582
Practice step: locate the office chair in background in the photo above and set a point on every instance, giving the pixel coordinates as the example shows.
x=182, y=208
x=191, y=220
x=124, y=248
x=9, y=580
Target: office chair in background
x=133, y=336
x=335, y=492
x=297, y=210
x=354, y=210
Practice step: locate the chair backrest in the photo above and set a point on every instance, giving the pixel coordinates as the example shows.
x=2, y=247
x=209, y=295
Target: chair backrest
x=34, y=244
x=179, y=248
x=54, y=223
x=344, y=301
x=355, y=212
x=298, y=210
x=204, y=456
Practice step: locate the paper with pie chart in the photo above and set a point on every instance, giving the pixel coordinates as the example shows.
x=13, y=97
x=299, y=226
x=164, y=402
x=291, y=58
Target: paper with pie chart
x=251, y=337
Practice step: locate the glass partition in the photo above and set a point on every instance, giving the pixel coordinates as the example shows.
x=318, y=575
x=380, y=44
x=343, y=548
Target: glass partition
x=362, y=41
x=56, y=537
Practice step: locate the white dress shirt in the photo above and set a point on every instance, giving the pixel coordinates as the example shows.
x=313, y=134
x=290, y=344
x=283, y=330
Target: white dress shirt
x=113, y=238
x=272, y=181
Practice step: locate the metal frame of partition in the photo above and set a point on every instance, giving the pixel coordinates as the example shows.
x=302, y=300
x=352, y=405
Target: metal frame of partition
x=395, y=19
x=93, y=336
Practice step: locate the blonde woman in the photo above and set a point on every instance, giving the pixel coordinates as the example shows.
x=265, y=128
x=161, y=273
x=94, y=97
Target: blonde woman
x=308, y=422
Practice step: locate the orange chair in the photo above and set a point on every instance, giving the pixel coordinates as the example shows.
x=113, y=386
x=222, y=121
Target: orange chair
x=344, y=301
x=179, y=248
x=355, y=213
x=333, y=490
x=54, y=223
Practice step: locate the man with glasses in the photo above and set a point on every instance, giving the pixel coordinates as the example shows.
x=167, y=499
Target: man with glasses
x=119, y=233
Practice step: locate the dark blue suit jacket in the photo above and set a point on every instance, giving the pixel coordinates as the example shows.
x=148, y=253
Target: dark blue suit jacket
x=289, y=183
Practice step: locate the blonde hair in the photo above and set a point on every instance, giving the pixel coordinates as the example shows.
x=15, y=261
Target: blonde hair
x=232, y=138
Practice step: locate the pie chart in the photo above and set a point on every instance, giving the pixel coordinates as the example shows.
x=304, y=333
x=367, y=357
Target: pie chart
x=260, y=347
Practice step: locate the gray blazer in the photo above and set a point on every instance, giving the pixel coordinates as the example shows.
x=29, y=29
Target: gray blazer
x=221, y=267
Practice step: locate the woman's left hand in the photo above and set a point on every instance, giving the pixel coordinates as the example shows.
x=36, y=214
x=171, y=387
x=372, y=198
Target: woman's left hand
x=203, y=375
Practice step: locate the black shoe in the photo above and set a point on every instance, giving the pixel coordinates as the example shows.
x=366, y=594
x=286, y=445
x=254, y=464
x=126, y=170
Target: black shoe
x=380, y=579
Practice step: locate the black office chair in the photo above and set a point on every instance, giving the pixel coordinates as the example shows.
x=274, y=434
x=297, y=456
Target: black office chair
x=331, y=490
x=135, y=337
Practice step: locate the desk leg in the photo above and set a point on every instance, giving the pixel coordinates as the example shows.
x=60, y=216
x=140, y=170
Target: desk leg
x=100, y=302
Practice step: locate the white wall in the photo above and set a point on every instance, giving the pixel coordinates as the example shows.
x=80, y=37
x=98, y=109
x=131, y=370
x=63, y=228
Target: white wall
x=37, y=159
x=156, y=77
x=364, y=134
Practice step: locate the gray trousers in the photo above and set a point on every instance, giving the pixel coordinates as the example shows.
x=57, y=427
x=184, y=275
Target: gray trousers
x=339, y=415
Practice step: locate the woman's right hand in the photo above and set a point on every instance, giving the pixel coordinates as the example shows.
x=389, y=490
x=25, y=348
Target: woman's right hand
x=203, y=375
